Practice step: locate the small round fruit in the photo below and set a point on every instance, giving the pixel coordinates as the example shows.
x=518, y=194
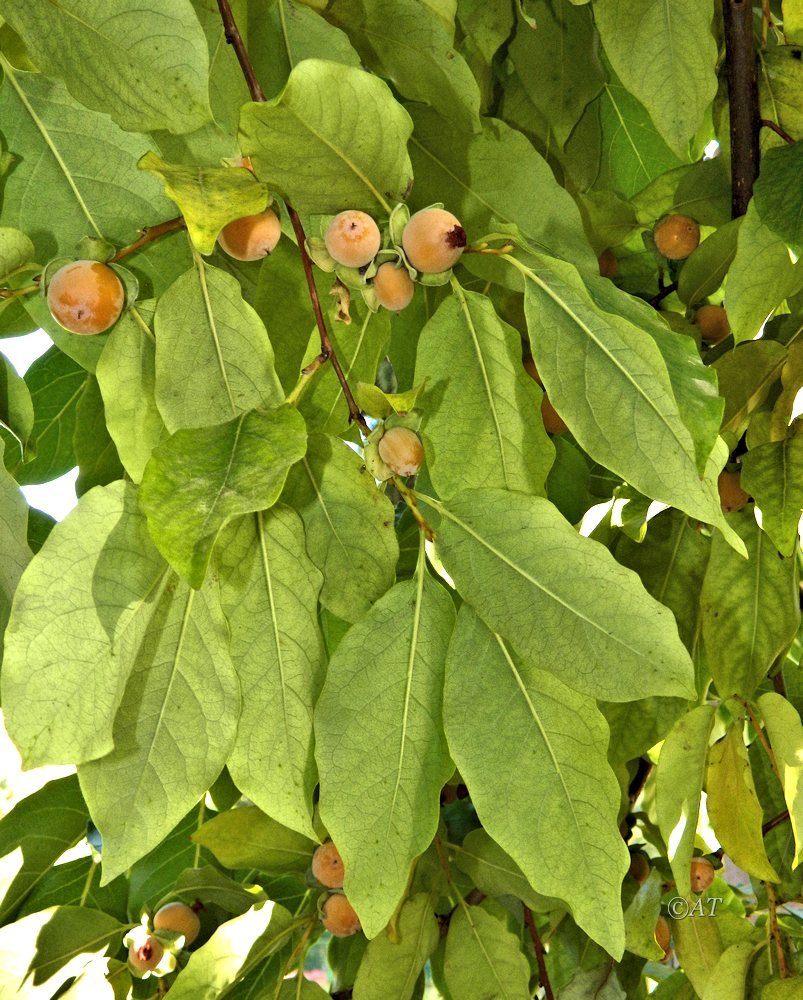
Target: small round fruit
x=353, y=238
x=433, y=240
x=713, y=323
x=339, y=917
x=639, y=867
x=553, y=421
x=327, y=866
x=731, y=495
x=252, y=237
x=85, y=297
x=676, y=236
x=608, y=265
x=393, y=286
x=179, y=918
x=146, y=956
x=401, y=450
x=702, y=874
x=532, y=371
x=663, y=934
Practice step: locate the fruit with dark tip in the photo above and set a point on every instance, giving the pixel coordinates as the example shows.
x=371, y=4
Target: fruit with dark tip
x=339, y=916
x=251, y=237
x=676, y=236
x=393, y=286
x=713, y=324
x=702, y=874
x=353, y=238
x=401, y=450
x=433, y=240
x=146, y=956
x=85, y=297
x=327, y=866
x=179, y=918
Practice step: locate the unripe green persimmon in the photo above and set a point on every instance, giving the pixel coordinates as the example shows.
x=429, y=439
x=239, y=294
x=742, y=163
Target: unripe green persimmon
x=339, y=916
x=393, y=286
x=327, y=866
x=85, y=297
x=179, y=918
x=251, y=237
x=676, y=236
x=713, y=324
x=353, y=238
x=146, y=956
x=433, y=240
x=401, y=450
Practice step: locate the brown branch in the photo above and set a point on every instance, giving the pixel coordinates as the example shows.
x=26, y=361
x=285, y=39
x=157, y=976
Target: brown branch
x=775, y=931
x=663, y=291
x=740, y=60
x=235, y=39
x=775, y=821
x=766, y=123
x=539, y=953
x=149, y=235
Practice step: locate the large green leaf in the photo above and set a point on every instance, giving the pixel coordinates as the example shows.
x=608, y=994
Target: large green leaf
x=674, y=75
x=391, y=966
x=681, y=768
x=269, y=590
x=349, y=526
x=746, y=376
x=174, y=729
x=147, y=68
x=81, y=159
x=733, y=808
x=380, y=748
x=302, y=142
x=698, y=945
x=95, y=452
x=34, y=835
x=728, y=980
x=750, y=610
x=772, y=474
x=213, y=357
x=704, y=270
x=407, y=42
x=155, y=875
x=778, y=198
x=483, y=959
x=198, y=480
x=561, y=599
x=81, y=610
x=494, y=872
x=786, y=736
x=481, y=171
x=482, y=425
x=246, y=838
x=13, y=542
x=541, y=783
x=609, y=381
x=16, y=406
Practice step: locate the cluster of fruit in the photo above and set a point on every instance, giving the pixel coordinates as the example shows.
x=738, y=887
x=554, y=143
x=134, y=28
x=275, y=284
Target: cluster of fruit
x=152, y=947
x=336, y=912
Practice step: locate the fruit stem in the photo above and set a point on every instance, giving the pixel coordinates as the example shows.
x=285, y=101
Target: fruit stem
x=766, y=123
x=411, y=500
x=235, y=39
x=775, y=821
x=149, y=234
x=17, y=293
x=539, y=953
x=306, y=374
x=740, y=60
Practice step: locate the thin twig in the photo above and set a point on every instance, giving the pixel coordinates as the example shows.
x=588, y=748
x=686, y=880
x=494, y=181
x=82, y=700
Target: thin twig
x=663, y=292
x=763, y=739
x=740, y=59
x=766, y=123
x=411, y=500
x=775, y=821
x=775, y=931
x=539, y=953
x=235, y=39
x=149, y=235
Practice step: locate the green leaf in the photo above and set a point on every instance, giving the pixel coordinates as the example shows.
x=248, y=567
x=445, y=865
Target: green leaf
x=246, y=838
x=208, y=197
x=55, y=383
x=154, y=65
x=772, y=474
x=681, y=768
x=378, y=404
x=302, y=144
x=704, y=271
x=391, y=967
x=213, y=357
x=746, y=376
x=674, y=75
x=379, y=745
x=81, y=159
x=541, y=784
x=698, y=945
x=560, y=599
x=761, y=276
x=348, y=523
x=41, y=952
x=81, y=610
x=174, y=729
x=234, y=950
x=482, y=424
x=641, y=917
x=558, y=63
x=728, y=980
x=76, y=883
x=733, y=808
x=198, y=480
x=16, y=251
x=779, y=83
x=482, y=172
x=155, y=875
x=126, y=376
x=269, y=592
x=495, y=873
x=34, y=835
x=750, y=610
x=609, y=381
x=704, y=193
x=778, y=199
x=13, y=542
x=483, y=959
x=407, y=42
x=782, y=989
x=638, y=725
x=786, y=737
x=599, y=982
x=211, y=886
x=95, y=452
